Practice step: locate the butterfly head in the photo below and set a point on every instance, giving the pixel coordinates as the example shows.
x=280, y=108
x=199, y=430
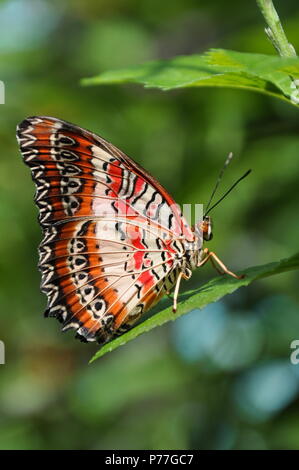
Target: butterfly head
x=206, y=227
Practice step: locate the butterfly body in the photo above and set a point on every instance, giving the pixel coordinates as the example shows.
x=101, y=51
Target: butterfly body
x=114, y=241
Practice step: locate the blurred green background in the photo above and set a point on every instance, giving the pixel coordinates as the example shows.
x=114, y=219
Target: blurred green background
x=219, y=378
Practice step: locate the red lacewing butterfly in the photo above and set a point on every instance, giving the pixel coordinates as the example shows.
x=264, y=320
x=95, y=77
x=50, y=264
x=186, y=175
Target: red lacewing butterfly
x=114, y=240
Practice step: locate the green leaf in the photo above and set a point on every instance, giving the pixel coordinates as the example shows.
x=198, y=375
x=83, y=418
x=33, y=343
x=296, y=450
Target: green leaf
x=266, y=74
x=200, y=298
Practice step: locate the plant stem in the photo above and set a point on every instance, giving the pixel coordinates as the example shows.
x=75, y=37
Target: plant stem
x=275, y=30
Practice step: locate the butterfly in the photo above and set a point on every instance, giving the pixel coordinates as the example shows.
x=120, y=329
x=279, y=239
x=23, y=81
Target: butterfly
x=114, y=240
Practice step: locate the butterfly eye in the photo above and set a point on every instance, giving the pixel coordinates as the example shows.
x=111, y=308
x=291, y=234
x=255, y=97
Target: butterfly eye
x=206, y=227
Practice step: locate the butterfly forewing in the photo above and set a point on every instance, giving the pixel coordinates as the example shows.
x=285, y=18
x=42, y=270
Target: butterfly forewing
x=106, y=255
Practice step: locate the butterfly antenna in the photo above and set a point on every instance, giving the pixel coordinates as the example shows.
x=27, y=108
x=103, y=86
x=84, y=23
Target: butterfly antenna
x=229, y=190
x=226, y=163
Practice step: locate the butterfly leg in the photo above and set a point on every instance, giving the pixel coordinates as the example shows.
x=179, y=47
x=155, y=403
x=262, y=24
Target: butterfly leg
x=181, y=276
x=211, y=256
x=216, y=267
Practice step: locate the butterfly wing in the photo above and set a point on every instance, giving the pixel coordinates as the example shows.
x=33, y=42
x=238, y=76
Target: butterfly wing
x=105, y=257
